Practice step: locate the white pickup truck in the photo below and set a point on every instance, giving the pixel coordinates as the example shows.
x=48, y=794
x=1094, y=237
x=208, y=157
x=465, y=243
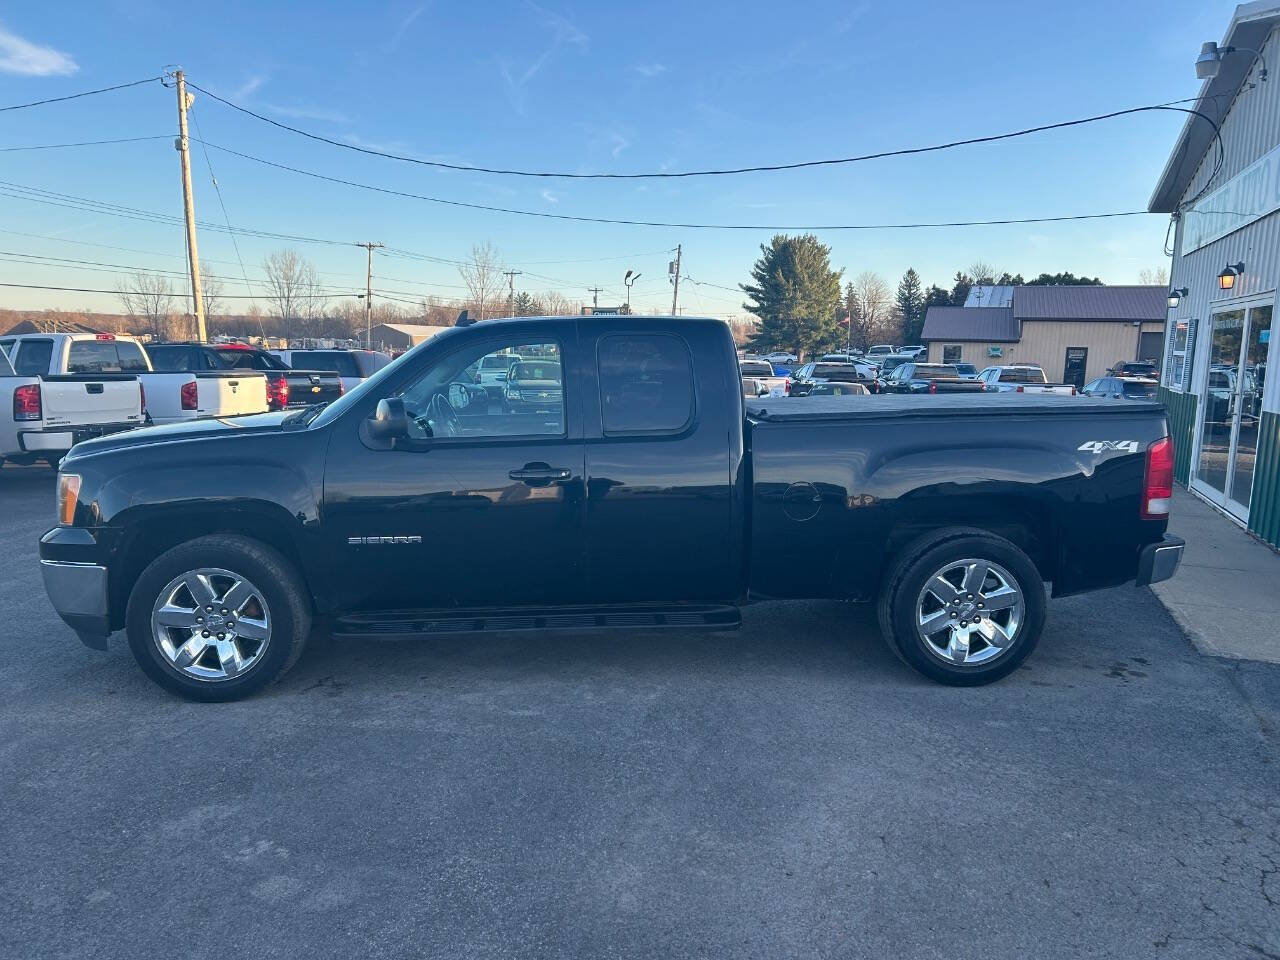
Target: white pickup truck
x=174, y=393
x=1022, y=378
x=41, y=417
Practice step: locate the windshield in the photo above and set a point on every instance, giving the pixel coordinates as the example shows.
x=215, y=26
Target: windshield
x=888, y=363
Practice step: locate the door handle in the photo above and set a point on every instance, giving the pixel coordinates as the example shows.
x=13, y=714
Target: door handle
x=540, y=474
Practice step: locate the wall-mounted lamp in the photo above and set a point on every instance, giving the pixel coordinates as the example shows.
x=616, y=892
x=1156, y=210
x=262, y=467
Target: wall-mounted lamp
x=1227, y=278
x=1210, y=60
x=1176, y=295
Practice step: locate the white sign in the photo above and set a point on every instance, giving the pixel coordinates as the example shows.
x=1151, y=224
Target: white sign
x=1250, y=195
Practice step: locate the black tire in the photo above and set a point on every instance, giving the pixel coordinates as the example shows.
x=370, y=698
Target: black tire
x=282, y=589
x=917, y=562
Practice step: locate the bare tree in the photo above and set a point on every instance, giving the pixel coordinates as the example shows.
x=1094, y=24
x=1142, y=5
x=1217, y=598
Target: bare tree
x=982, y=273
x=294, y=291
x=148, y=299
x=483, y=277
x=870, y=306
x=210, y=292
x=556, y=304
x=1158, y=277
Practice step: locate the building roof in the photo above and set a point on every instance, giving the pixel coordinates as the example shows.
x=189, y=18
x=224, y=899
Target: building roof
x=1090, y=303
x=1248, y=29
x=985, y=324
x=988, y=295
x=412, y=329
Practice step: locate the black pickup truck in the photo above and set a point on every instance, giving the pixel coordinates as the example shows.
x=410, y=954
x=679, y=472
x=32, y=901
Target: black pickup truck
x=642, y=492
x=286, y=386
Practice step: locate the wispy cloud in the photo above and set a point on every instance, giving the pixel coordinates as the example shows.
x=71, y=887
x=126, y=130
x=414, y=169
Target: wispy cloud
x=620, y=143
x=550, y=197
x=564, y=33
x=308, y=112
x=28, y=59
x=651, y=69
x=406, y=23
x=247, y=89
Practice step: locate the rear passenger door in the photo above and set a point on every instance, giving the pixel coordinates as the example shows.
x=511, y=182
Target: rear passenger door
x=660, y=509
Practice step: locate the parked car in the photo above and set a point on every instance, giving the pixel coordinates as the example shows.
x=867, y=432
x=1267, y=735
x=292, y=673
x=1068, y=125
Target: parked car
x=352, y=366
x=190, y=382
x=780, y=356
x=805, y=378
x=657, y=499
x=1022, y=378
x=912, y=377
x=286, y=386
x=834, y=388
x=1126, y=388
x=966, y=370
x=1135, y=368
x=535, y=386
x=42, y=416
x=881, y=350
x=867, y=367
x=916, y=352
x=761, y=373
x=178, y=393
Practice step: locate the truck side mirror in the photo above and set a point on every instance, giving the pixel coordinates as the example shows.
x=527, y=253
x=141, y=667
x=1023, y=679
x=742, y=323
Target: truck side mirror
x=389, y=422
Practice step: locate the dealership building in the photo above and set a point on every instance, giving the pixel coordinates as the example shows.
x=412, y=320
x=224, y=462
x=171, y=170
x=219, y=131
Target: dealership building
x=1222, y=192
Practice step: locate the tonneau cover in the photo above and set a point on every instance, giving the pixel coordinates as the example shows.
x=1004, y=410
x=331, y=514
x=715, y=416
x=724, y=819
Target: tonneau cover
x=809, y=409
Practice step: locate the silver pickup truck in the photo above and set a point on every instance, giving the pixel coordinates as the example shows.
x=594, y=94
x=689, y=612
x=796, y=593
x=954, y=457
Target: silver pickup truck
x=1023, y=378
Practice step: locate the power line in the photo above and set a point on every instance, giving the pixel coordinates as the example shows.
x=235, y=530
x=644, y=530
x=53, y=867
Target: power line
x=542, y=214
x=86, y=93
x=86, y=143
x=228, y=296
x=669, y=174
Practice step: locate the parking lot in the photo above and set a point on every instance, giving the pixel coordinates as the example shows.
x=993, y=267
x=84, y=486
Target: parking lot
x=791, y=790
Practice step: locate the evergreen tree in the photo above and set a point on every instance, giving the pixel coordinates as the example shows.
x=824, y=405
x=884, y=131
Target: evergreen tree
x=795, y=294
x=525, y=305
x=1064, y=279
x=910, y=306
x=963, y=283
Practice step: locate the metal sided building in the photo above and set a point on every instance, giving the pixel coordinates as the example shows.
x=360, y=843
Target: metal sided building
x=1224, y=409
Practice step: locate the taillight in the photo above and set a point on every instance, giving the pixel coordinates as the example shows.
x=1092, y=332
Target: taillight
x=1073, y=391
x=1020, y=389
x=189, y=398
x=26, y=402
x=933, y=388
x=341, y=387
x=1157, y=482
x=277, y=393
x=786, y=386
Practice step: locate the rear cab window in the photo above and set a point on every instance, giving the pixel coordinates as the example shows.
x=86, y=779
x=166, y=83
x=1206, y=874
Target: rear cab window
x=171, y=359
x=646, y=384
x=1137, y=389
x=1022, y=375
x=343, y=363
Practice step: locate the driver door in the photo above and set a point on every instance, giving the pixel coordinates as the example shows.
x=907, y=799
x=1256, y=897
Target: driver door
x=484, y=506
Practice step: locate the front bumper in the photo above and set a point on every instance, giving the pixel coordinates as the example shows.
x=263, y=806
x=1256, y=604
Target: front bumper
x=78, y=592
x=1159, y=561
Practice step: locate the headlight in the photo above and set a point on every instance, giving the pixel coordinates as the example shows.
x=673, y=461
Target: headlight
x=513, y=394
x=68, y=497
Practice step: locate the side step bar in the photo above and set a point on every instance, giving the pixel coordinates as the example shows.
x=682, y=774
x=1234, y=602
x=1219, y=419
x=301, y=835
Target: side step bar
x=418, y=623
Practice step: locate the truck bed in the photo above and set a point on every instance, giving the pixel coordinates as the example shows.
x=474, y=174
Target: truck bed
x=814, y=409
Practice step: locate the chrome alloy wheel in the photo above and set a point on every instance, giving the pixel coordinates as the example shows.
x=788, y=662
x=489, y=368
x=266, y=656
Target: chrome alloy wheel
x=211, y=624
x=970, y=612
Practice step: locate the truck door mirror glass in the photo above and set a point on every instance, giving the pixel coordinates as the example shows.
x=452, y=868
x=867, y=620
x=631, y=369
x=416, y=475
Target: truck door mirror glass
x=389, y=422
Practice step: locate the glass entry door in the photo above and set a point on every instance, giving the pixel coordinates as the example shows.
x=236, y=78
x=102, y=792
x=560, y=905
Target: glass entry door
x=1233, y=406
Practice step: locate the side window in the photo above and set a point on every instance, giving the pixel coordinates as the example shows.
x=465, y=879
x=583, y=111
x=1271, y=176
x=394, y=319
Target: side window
x=646, y=383
x=448, y=402
x=33, y=357
x=1091, y=386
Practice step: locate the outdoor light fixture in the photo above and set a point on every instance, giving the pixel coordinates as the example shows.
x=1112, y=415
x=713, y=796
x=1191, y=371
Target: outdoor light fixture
x=1227, y=278
x=1176, y=295
x=631, y=277
x=1210, y=60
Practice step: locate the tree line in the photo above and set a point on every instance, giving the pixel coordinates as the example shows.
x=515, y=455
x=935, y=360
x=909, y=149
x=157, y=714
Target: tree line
x=801, y=305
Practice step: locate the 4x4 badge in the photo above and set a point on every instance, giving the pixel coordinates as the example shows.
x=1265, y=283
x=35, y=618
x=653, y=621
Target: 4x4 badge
x=1102, y=446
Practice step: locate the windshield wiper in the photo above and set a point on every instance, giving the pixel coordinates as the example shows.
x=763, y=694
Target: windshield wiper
x=306, y=415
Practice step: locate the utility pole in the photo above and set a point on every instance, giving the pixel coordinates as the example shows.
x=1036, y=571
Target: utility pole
x=674, y=270
x=188, y=203
x=595, y=295
x=511, y=290
x=368, y=295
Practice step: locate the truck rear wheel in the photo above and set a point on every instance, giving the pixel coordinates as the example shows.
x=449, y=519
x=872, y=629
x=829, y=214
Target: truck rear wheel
x=218, y=618
x=962, y=606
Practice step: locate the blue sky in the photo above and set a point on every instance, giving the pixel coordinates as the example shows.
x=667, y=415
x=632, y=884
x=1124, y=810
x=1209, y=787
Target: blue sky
x=601, y=88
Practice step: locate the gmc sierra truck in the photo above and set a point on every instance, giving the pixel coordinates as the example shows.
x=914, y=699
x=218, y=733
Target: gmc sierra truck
x=639, y=491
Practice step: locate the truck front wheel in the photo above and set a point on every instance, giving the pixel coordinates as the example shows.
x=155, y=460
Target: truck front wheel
x=217, y=618
x=962, y=606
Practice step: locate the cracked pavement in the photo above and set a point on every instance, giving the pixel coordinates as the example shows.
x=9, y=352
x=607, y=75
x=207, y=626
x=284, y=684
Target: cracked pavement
x=791, y=790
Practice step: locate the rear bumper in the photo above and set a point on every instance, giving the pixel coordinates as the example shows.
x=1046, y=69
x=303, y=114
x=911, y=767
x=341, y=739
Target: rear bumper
x=1159, y=561
x=78, y=592
x=61, y=439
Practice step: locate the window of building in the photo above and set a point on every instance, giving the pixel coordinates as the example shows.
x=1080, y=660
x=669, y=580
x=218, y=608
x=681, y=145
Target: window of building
x=646, y=384
x=951, y=353
x=1182, y=344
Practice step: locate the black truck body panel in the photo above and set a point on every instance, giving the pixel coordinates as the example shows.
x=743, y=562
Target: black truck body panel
x=779, y=498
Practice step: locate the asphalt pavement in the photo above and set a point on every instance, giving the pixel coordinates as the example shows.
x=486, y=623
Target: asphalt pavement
x=791, y=790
